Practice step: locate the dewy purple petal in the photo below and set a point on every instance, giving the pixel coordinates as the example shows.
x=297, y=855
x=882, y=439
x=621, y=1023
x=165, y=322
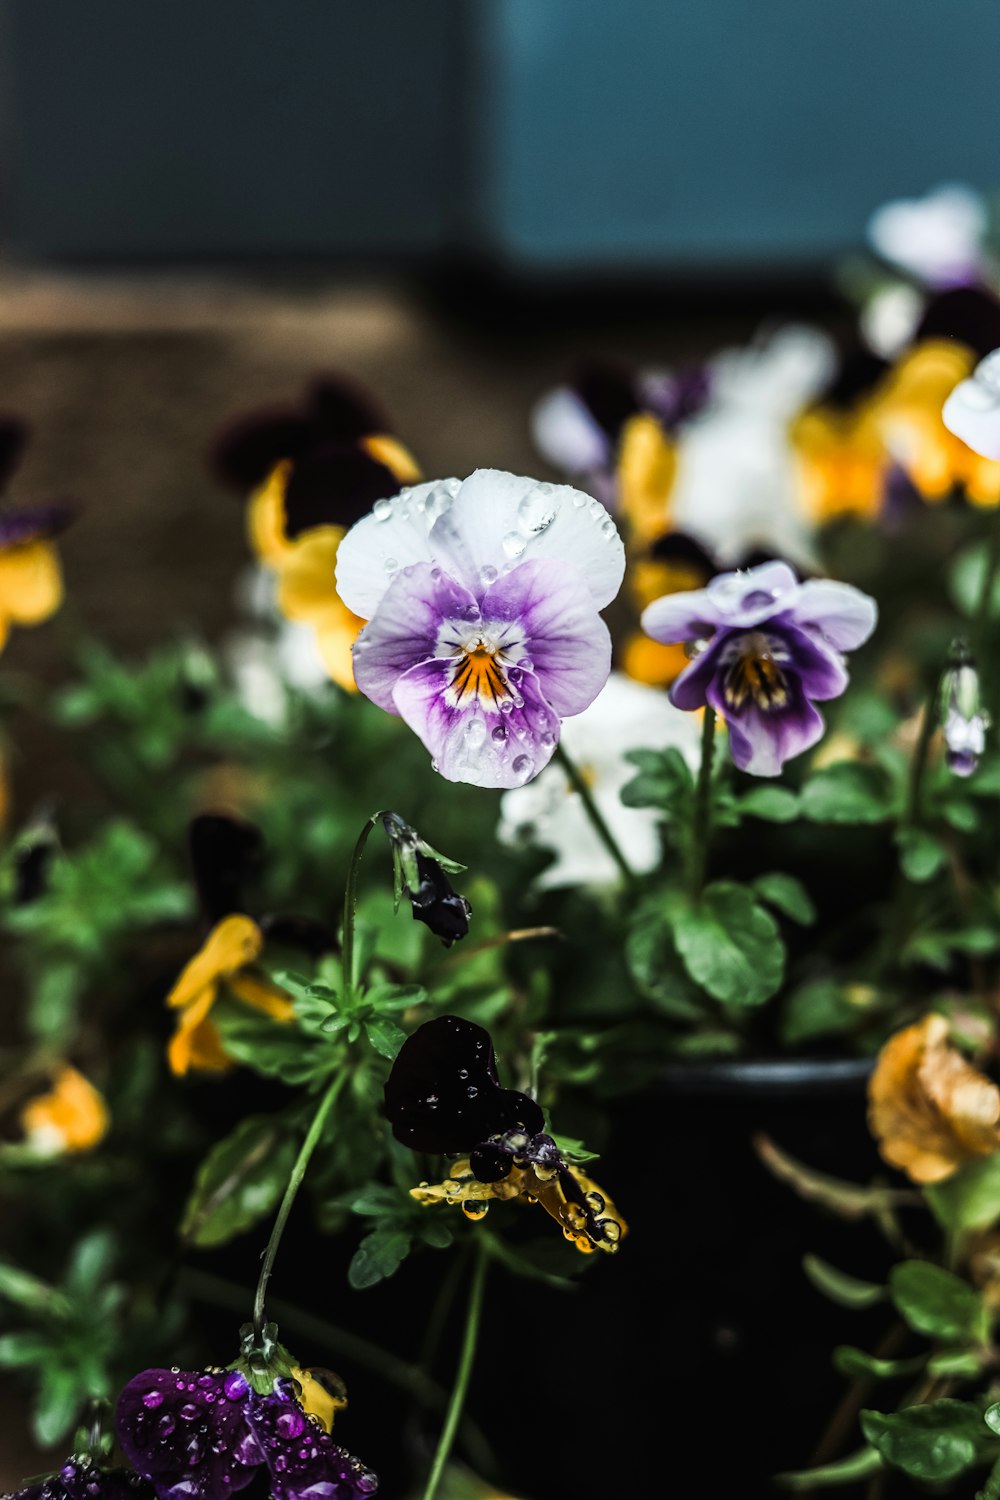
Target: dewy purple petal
x=35, y=524
x=186, y=1432
x=81, y=1479
x=304, y=1462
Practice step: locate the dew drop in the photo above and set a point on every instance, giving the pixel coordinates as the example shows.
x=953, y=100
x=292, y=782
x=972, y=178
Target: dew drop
x=472, y=1092
x=188, y=1412
x=500, y=733
x=153, y=1399
x=390, y=565
x=290, y=1424
x=382, y=510
x=537, y=510
x=596, y=510
x=579, y=499
x=609, y=530
x=235, y=1386
x=475, y=1210
x=514, y=544
x=166, y=1425
x=436, y=575
x=488, y=574
x=507, y=705
x=521, y=766
x=475, y=733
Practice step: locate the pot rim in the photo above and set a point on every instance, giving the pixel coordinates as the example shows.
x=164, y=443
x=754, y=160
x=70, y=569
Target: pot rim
x=779, y=1076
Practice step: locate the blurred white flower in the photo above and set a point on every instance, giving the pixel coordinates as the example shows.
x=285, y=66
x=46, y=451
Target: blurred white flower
x=939, y=238
x=268, y=657
x=972, y=411
x=736, y=488
x=890, y=318
x=547, y=812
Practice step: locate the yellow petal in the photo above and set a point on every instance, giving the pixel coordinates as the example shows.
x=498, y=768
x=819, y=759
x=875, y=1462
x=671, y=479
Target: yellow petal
x=266, y=516
x=71, y=1117
x=235, y=941
x=391, y=452
x=335, y=641
x=196, y=1045
x=649, y=661
x=263, y=994
x=316, y=1399
x=306, y=578
x=31, y=587
x=647, y=464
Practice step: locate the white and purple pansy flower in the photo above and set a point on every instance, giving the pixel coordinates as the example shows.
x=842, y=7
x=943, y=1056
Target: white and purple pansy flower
x=482, y=598
x=768, y=648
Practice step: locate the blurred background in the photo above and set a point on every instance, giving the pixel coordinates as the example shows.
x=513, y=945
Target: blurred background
x=453, y=201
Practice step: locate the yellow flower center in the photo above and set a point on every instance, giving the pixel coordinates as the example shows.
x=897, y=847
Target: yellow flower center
x=754, y=671
x=479, y=675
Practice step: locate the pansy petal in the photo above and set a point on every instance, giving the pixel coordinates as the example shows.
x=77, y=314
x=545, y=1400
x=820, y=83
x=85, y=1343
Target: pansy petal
x=393, y=536
x=499, y=520
x=304, y=1461
x=690, y=690
x=567, y=641
x=31, y=586
x=187, y=1433
x=681, y=617
x=819, y=670
x=567, y=435
x=334, y=485
x=749, y=595
x=406, y=628
x=470, y=744
x=761, y=740
x=233, y=942
x=838, y=613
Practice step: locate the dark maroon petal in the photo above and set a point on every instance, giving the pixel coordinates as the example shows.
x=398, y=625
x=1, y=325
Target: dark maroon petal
x=858, y=373
x=674, y=397
x=246, y=451
x=13, y=438
x=971, y=315
x=34, y=523
x=186, y=1432
x=340, y=409
x=443, y=1092
x=609, y=393
x=226, y=858
x=335, y=486
x=80, y=1478
x=678, y=550
x=304, y=1461
x=306, y=933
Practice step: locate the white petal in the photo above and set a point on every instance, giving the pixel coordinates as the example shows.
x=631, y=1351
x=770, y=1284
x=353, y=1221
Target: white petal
x=839, y=613
x=972, y=411
x=566, y=434
x=499, y=520
x=394, y=535
x=937, y=238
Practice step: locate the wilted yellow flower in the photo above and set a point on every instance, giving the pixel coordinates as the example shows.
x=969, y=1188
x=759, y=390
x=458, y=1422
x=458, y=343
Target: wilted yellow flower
x=72, y=1116
x=583, y=1205
x=930, y=1110
x=231, y=946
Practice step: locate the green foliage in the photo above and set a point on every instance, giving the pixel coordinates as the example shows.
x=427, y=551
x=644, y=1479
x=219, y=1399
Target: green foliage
x=970, y=1198
x=848, y=1291
x=937, y=1303
x=729, y=944
x=848, y=792
x=240, y=1181
x=934, y=1443
x=397, y=1223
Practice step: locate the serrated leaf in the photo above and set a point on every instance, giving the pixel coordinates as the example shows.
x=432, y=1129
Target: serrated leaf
x=379, y=1256
x=275, y=1048
x=788, y=895
x=730, y=945
x=937, y=1303
x=241, y=1179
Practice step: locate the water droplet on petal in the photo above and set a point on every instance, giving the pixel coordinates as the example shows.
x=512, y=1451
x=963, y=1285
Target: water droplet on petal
x=390, y=565
x=153, y=1399
x=522, y=767
x=609, y=530
x=507, y=705
x=500, y=733
x=514, y=544
x=537, y=510
x=596, y=510
x=488, y=575
x=475, y=733
x=579, y=499
x=382, y=510
x=189, y=1412
x=166, y=1424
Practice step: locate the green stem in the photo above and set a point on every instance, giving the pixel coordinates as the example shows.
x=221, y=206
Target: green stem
x=918, y=765
x=701, y=823
x=351, y=902
x=463, y=1373
x=294, y=1183
x=600, y=827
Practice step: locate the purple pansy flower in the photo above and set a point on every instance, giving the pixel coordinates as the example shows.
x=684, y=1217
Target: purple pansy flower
x=482, y=598
x=80, y=1478
x=769, y=649
x=203, y=1435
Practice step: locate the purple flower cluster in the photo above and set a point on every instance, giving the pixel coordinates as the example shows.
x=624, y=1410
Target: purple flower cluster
x=205, y=1435
x=80, y=1478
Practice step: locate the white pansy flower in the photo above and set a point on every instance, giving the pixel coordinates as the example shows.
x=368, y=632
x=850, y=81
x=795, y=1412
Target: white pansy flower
x=972, y=411
x=939, y=239
x=547, y=812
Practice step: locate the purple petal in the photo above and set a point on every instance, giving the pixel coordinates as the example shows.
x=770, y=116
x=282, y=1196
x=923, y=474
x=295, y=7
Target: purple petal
x=761, y=740
x=472, y=743
x=565, y=638
x=690, y=690
x=751, y=596
x=687, y=616
x=567, y=435
x=34, y=524
x=839, y=614
x=186, y=1432
x=304, y=1461
x=406, y=627
x=334, y=485
x=244, y=452
x=819, y=670
x=80, y=1478
x=499, y=520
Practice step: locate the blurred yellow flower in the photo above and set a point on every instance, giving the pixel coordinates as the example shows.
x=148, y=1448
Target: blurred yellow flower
x=909, y=416
x=929, y=1109
x=571, y=1211
x=31, y=586
x=72, y=1116
x=843, y=461
x=224, y=958
x=647, y=464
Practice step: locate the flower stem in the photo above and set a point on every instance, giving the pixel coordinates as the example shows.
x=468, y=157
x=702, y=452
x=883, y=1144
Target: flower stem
x=351, y=902
x=461, y=1386
x=701, y=823
x=313, y=1134
x=600, y=827
x=918, y=765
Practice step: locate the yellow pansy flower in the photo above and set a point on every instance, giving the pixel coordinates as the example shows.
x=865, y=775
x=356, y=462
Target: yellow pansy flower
x=71, y=1117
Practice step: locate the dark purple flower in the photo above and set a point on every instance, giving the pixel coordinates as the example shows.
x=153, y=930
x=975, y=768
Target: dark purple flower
x=80, y=1478
x=35, y=523
x=420, y=873
x=304, y=1461
x=768, y=648
x=187, y=1432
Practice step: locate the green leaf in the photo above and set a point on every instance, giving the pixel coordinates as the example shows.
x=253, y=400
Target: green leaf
x=90, y=1263
x=848, y=792
x=241, y=1179
x=857, y=1365
x=937, y=1303
x=385, y=1036
x=276, y=1049
x=773, y=804
x=654, y=963
x=788, y=895
x=921, y=855
x=934, y=1442
x=966, y=578
x=664, y=781
x=26, y=1291
x=844, y=1471
x=970, y=1199
x=822, y=1008
x=730, y=945
x=58, y=1405
x=379, y=1256
x=847, y=1291
x=955, y=1364
x=19, y=1350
